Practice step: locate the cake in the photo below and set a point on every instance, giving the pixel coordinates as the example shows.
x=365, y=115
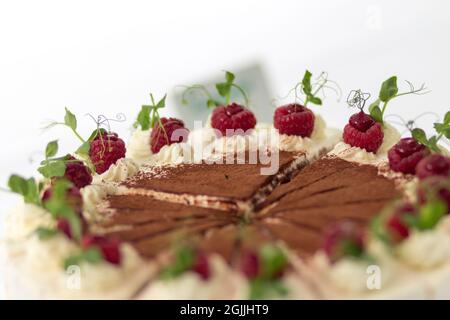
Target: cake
x=290, y=210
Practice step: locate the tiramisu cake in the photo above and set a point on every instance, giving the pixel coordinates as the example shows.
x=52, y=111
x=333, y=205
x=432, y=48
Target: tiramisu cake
x=238, y=209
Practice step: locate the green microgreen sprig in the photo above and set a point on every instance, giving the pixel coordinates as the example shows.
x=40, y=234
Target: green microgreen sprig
x=223, y=89
x=54, y=166
x=273, y=261
x=184, y=258
x=90, y=255
x=425, y=216
x=59, y=206
x=442, y=130
x=46, y=233
x=388, y=91
x=29, y=188
x=51, y=166
x=149, y=114
x=311, y=90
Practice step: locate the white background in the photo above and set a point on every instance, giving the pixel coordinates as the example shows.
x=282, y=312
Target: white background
x=106, y=56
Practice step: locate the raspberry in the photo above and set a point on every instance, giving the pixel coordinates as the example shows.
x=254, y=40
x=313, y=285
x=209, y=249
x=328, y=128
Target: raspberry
x=405, y=155
x=201, y=265
x=105, y=150
x=363, y=132
x=433, y=165
x=232, y=117
x=343, y=239
x=361, y=121
x=172, y=131
x=396, y=227
x=294, y=119
x=77, y=173
x=249, y=264
x=109, y=247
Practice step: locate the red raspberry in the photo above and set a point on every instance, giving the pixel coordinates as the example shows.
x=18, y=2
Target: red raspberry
x=433, y=165
x=232, y=117
x=201, y=265
x=105, y=150
x=294, y=119
x=249, y=264
x=172, y=131
x=343, y=239
x=396, y=227
x=405, y=155
x=109, y=247
x=77, y=173
x=363, y=132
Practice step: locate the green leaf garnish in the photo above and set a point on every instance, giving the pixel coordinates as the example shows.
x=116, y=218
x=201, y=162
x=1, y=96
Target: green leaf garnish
x=59, y=206
x=306, y=82
x=229, y=77
x=143, y=118
x=28, y=188
x=378, y=230
x=430, y=214
x=149, y=114
x=388, y=89
x=375, y=111
x=351, y=249
x=53, y=169
x=266, y=288
x=83, y=150
x=46, y=233
x=223, y=89
x=442, y=130
x=184, y=259
x=273, y=261
x=308, y=89
x=70, y=120
x=52, y=149
x=311, y=90
x=90, y=255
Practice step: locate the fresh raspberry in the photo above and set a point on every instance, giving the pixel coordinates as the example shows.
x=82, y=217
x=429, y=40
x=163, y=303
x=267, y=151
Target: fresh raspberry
x=405, y=155
x=201, y=265
x=343, y=239
x=77, y=173
x=396, y=227
x=105, y=150
x=294, y=119
x=432, y=188
x=363, y=132
x=249, y=264
x=172, y=131
x=109, y=247
x=232, y=117
x=433, y=165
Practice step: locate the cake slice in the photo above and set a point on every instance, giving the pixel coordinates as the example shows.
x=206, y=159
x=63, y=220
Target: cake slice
x=234, y=186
